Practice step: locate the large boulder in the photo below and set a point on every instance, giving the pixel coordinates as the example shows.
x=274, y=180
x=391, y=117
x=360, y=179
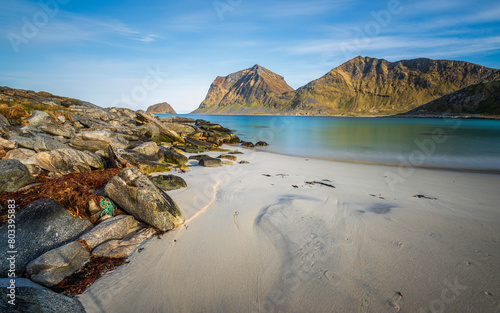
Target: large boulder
x=199, y=143
x=98, y=140
x=40, y=227
x=66, y=161
x=53, y=266
x=39, y=118
x=20, y=154
x=173, y=157
x=131, y=158
x=113, y=228
x=33, y=298
x=48, y=144
x=58, y=129
x=148, y=148
x=169, y=182
x=13, y=175
x=138, y=196
x=144, y=117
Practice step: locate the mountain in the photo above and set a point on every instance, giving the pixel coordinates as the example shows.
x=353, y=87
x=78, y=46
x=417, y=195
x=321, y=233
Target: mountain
x=161, y=108
x=361, y=86
x=482, y=99
x=254, y=90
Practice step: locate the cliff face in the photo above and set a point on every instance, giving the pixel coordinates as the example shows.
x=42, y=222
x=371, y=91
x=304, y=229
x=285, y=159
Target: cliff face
x=361, y=86
x=483, y=99
x=249, y=91
x=161, y=108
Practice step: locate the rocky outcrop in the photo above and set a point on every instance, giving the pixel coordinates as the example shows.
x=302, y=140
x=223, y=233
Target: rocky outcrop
x=138, y=196
x=66, y=161
x=40, y=227
x=13, y=175
x=361, y=86
x=145, y=118
x=161, y=108
x=31, y=297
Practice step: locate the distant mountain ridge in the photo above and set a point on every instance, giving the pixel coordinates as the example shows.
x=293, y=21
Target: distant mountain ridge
x=161, y=108
x=361, y=86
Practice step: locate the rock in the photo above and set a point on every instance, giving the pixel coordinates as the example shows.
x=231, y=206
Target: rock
x=20, y=154
x=148, y=148
x=244, y=162
x=39, y=118
x=149, y=118
x=13, y=175
x=173, y=157
x=247, y=144
x=48, y=144
x=66, y=161
x=228, y=157
x=129, y=158
x=169, y=182
x=198, y=143
x=57, y=129
x=40, y=227
x=24, y=141
x=2, y=153
x=210, y=162
x=227, y=163
x=179, y=128
x=138, y=196
x=177, y=119
x=261, y=144
x=114, y=228
x=123, y=248
x=53, y=266
x=4, y=121
x=198, y=157
x=33, y=298
x=8, y=144
x=98, y=140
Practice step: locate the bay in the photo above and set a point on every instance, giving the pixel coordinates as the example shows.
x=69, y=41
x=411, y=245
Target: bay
x=470, y=144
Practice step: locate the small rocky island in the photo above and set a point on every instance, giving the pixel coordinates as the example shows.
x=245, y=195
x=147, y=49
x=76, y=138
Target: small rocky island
x=161, y=108
x=76, y=192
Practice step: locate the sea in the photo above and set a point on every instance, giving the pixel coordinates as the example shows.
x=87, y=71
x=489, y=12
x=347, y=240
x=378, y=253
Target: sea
x=458, y=144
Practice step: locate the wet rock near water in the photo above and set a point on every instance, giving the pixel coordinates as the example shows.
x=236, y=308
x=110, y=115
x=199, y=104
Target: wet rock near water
x=169, y=182
x=210, y=162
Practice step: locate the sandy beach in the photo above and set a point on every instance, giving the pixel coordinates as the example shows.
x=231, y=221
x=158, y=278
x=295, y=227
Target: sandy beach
x=259, y=238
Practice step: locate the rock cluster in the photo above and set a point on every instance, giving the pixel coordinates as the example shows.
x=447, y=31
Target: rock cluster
x=68, y=136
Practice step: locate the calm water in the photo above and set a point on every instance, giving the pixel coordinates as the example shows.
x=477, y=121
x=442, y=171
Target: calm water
x=448, y=143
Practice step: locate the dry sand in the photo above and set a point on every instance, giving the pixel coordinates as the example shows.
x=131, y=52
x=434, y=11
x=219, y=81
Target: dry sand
x=257, y=244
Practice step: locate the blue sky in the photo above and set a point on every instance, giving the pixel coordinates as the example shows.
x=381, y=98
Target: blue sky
x=135, y=54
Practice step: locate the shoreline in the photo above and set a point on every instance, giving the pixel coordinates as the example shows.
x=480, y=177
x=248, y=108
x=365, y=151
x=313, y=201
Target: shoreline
x=355, y=247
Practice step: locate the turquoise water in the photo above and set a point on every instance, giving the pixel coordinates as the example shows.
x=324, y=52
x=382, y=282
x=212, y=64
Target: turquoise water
x=445, y=143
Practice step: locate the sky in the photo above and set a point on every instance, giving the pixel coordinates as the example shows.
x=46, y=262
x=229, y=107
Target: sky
x=134, y=54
